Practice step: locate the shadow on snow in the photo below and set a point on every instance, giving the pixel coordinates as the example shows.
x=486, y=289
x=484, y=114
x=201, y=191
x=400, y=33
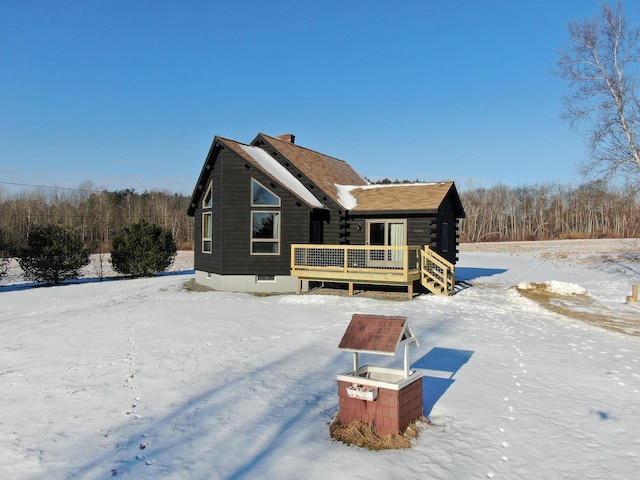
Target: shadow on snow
x=26, y=286
x=441, y=364
x=192, y=424
x=470, y=273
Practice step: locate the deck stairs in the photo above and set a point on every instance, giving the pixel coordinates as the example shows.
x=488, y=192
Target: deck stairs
x=437, y=274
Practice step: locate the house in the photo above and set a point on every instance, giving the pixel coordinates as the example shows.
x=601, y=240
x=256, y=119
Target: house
x=272, y=216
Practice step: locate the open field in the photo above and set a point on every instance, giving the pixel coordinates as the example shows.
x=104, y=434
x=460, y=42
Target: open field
x=144, y=379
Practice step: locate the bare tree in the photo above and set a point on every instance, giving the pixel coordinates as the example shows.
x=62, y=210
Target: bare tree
x=601, y=67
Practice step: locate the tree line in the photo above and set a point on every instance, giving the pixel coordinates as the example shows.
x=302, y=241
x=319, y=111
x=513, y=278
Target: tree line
x=550, y=211
x=95, y=215
x=499, y=213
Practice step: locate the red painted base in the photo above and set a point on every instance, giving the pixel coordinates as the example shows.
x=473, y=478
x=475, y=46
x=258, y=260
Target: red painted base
x=391, y=412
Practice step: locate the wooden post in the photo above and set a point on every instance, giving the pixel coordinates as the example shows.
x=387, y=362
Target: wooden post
x=293, y=256
x=345, y=260
x=634, y=294
x=350, y=289
x=406, y=360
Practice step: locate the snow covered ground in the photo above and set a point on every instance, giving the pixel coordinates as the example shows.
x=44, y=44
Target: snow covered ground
x=142, y=379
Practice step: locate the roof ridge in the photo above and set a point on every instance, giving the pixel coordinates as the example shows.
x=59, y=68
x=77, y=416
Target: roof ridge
x=304, y=148
x=273, y=169
x=225, y=139
x=412, y=184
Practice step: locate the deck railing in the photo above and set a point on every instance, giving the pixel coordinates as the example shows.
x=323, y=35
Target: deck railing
x=356, y=263
x=437, y=273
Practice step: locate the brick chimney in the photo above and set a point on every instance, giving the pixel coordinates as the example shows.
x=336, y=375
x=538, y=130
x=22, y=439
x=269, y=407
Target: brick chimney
x=287, y=137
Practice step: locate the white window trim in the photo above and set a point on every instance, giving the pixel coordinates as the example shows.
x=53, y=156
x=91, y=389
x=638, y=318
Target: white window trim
x=268, y=190
x=270, y=280
x=265, y=240
x=210, y=239
x=208, y=191
x=387, y=221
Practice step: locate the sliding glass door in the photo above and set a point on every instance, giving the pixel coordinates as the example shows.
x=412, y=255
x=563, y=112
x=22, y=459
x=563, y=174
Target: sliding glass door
x=386, y=233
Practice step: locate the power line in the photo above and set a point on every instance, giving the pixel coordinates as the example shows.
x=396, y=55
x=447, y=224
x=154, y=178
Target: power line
x=88, y=190
x=48, y=186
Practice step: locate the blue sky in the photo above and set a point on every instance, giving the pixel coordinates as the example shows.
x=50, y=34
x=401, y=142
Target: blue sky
x=129, y=94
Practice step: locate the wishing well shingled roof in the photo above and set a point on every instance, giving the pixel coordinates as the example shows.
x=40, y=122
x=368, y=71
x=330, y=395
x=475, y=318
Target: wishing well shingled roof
x=373, y=333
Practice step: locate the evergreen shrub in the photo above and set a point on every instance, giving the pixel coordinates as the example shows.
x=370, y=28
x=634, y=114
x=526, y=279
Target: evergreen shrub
x=142, y=249
x=54, y=253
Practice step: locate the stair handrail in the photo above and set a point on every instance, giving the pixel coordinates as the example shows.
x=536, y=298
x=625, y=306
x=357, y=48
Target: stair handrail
x=447, y=280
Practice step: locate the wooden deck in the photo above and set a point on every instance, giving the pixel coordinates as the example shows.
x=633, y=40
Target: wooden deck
x=369, y=264
x=364, y=264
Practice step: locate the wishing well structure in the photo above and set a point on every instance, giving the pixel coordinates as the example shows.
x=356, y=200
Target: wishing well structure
x=388, y=398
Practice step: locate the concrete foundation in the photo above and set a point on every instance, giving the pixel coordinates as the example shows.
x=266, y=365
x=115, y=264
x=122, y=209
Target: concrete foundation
x=250, y=283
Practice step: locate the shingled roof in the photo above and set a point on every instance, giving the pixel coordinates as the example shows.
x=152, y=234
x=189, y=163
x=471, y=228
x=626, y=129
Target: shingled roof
x=335, y=179
x=263, y=161
x=324, y=171
x=376, y=334
x=419, y=197
x=259, y=159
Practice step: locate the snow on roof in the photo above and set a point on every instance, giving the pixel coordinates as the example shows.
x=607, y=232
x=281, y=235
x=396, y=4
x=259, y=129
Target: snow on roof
x=282, y=175
x=346, y=199
x=350, y=202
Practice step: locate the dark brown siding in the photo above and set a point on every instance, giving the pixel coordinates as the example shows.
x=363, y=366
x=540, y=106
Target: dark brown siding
x=422, y=229
x=209, y=262
x=333, y=220
x=446, y=215
x=231, y=253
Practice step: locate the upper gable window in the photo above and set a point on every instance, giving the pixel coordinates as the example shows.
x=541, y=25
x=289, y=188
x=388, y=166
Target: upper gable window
x=263, y=197
x=207, y=201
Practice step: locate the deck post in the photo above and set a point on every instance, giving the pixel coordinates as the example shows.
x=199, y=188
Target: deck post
x=293, y=256
x=323, y=263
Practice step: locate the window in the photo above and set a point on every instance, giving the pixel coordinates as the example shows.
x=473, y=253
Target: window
x=262, y=197
x=207, y=200
x=265, y=278
x=265, y=225
x=386, y=233
x=445, y=237
x=207, y=232
x=207, y=220
x=265, y=233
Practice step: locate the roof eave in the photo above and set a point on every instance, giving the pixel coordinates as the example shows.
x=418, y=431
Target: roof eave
x=201, y=183
x=356, y=211
x=375, y=352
